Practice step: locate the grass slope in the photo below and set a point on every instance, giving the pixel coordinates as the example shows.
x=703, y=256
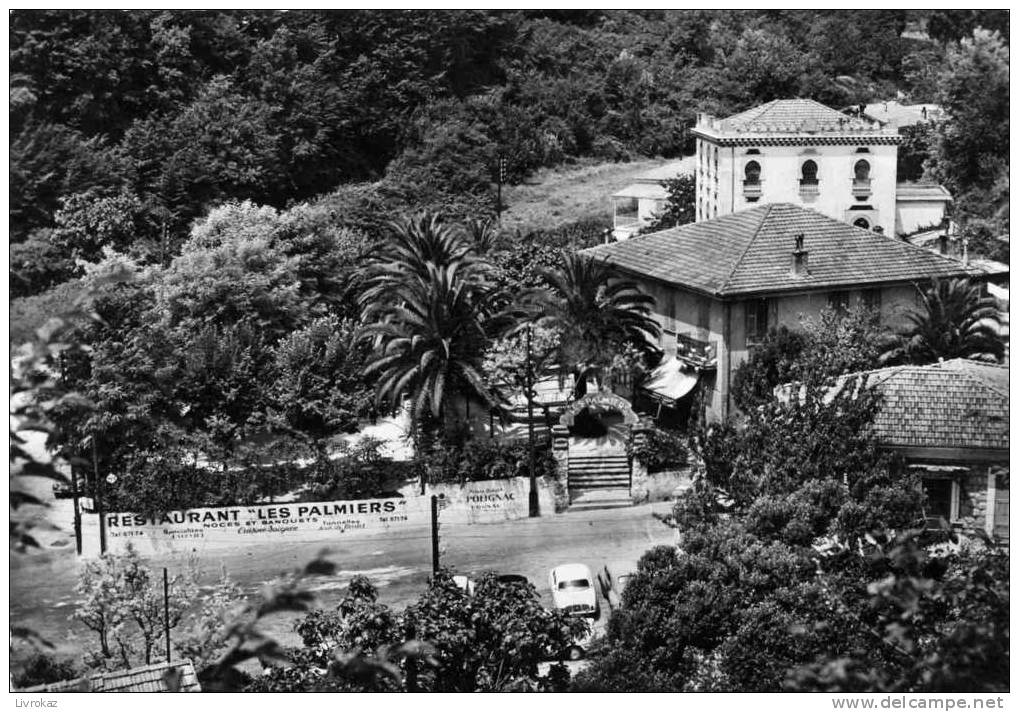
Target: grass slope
x=566, y=194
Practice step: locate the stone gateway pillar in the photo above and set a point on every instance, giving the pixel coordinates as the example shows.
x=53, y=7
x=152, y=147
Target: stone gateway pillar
x=561, y=453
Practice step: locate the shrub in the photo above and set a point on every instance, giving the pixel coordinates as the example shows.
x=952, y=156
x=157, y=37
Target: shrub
x=361, y=473
x=486, y=459
x=661, y=450
x=41, y=669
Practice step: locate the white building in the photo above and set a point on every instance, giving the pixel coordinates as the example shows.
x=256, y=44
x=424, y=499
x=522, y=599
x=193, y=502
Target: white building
x=636, y=205
x=801, y=152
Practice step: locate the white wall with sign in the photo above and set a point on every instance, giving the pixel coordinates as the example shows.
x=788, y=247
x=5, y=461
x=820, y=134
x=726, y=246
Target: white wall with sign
x=211, y=529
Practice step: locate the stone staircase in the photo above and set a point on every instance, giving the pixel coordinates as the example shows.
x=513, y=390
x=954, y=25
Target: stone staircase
x=599, y=480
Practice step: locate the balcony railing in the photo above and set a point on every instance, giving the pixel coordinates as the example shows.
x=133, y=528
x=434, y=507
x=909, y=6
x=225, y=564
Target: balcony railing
x=861, y=187
x=751, y=189
x=703, y=354
x=809, y=188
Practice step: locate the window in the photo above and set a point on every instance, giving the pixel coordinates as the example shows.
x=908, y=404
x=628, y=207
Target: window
x=752, y=173
x=808, y=179
x=871, y=299
x=942, y=496
x=752, y=182
x=861, y=180
x=756, y=320
x=703, y=313
x=863, y=149
x=839, y=301
x=808, y=173
x=753, y=152
x=862, y=223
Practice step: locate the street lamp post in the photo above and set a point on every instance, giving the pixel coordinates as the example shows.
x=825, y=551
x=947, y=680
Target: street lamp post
x=532, y=495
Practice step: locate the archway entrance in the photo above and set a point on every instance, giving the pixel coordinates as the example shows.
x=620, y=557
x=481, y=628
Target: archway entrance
x=599, y=422
x=599, y=473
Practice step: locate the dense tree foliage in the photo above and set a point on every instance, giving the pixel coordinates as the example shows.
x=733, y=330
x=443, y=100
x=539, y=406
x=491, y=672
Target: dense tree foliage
x=799, y=568
x=127, y=126
x=970, y=150
x=489, y=640
x=234, y=356
x=837, y=342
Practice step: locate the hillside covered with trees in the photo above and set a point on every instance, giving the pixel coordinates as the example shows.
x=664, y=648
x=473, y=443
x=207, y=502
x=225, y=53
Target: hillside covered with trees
x=127, y=127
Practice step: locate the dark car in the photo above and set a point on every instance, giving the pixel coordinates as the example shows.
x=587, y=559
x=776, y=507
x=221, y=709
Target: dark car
x=511, y=578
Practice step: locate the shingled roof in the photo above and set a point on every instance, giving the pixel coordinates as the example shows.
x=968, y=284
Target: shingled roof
x=953, y=404
x=158, y=677
x=791, y=115
x=750, y=252
x=791, y=118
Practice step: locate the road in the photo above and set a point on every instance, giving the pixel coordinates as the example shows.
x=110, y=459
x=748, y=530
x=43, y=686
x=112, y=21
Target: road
x=42, y=584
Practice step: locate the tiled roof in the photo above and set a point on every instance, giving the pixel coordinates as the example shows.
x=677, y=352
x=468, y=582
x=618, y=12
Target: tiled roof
x=795, y=116
x=954, y=404
x=151, y=678
x=750, y=252
x=921, y=191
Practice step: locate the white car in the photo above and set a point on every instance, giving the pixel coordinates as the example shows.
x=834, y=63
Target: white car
x=573, y=590
x=465, y=584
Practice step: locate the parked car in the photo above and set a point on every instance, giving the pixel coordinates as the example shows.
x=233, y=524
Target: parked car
x=573, y=590
x=465, y=583
x=511, y=578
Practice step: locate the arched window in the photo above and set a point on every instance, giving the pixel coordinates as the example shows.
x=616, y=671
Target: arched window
x=752, y=182
x=862, y=222
x=861, y=171
x=808, y=173
x=752, y=173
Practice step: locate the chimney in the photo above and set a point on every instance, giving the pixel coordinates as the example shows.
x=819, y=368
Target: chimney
x=800, y=258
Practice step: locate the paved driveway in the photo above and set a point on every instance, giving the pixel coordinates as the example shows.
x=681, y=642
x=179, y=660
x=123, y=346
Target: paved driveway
x=42, y=585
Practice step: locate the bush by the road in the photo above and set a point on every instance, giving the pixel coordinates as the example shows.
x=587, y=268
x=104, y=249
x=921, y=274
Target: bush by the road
x=661, y=450
x=486, y=459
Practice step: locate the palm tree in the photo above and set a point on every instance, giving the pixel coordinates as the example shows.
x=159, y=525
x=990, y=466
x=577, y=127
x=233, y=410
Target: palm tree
x=426, y=304
x=954, y=320
x=595, y=312
x=411, y=248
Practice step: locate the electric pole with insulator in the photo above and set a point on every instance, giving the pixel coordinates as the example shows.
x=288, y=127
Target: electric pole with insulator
x=532, y=495
x=435, y=535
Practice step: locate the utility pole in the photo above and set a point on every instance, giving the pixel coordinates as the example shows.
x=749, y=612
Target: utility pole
x=435, y=534
x=77, y=508
x=100, y=504
x=532, y=495
x=166, y=611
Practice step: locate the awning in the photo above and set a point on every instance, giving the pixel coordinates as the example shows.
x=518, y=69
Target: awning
x=672, y=380
x=645, y=191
